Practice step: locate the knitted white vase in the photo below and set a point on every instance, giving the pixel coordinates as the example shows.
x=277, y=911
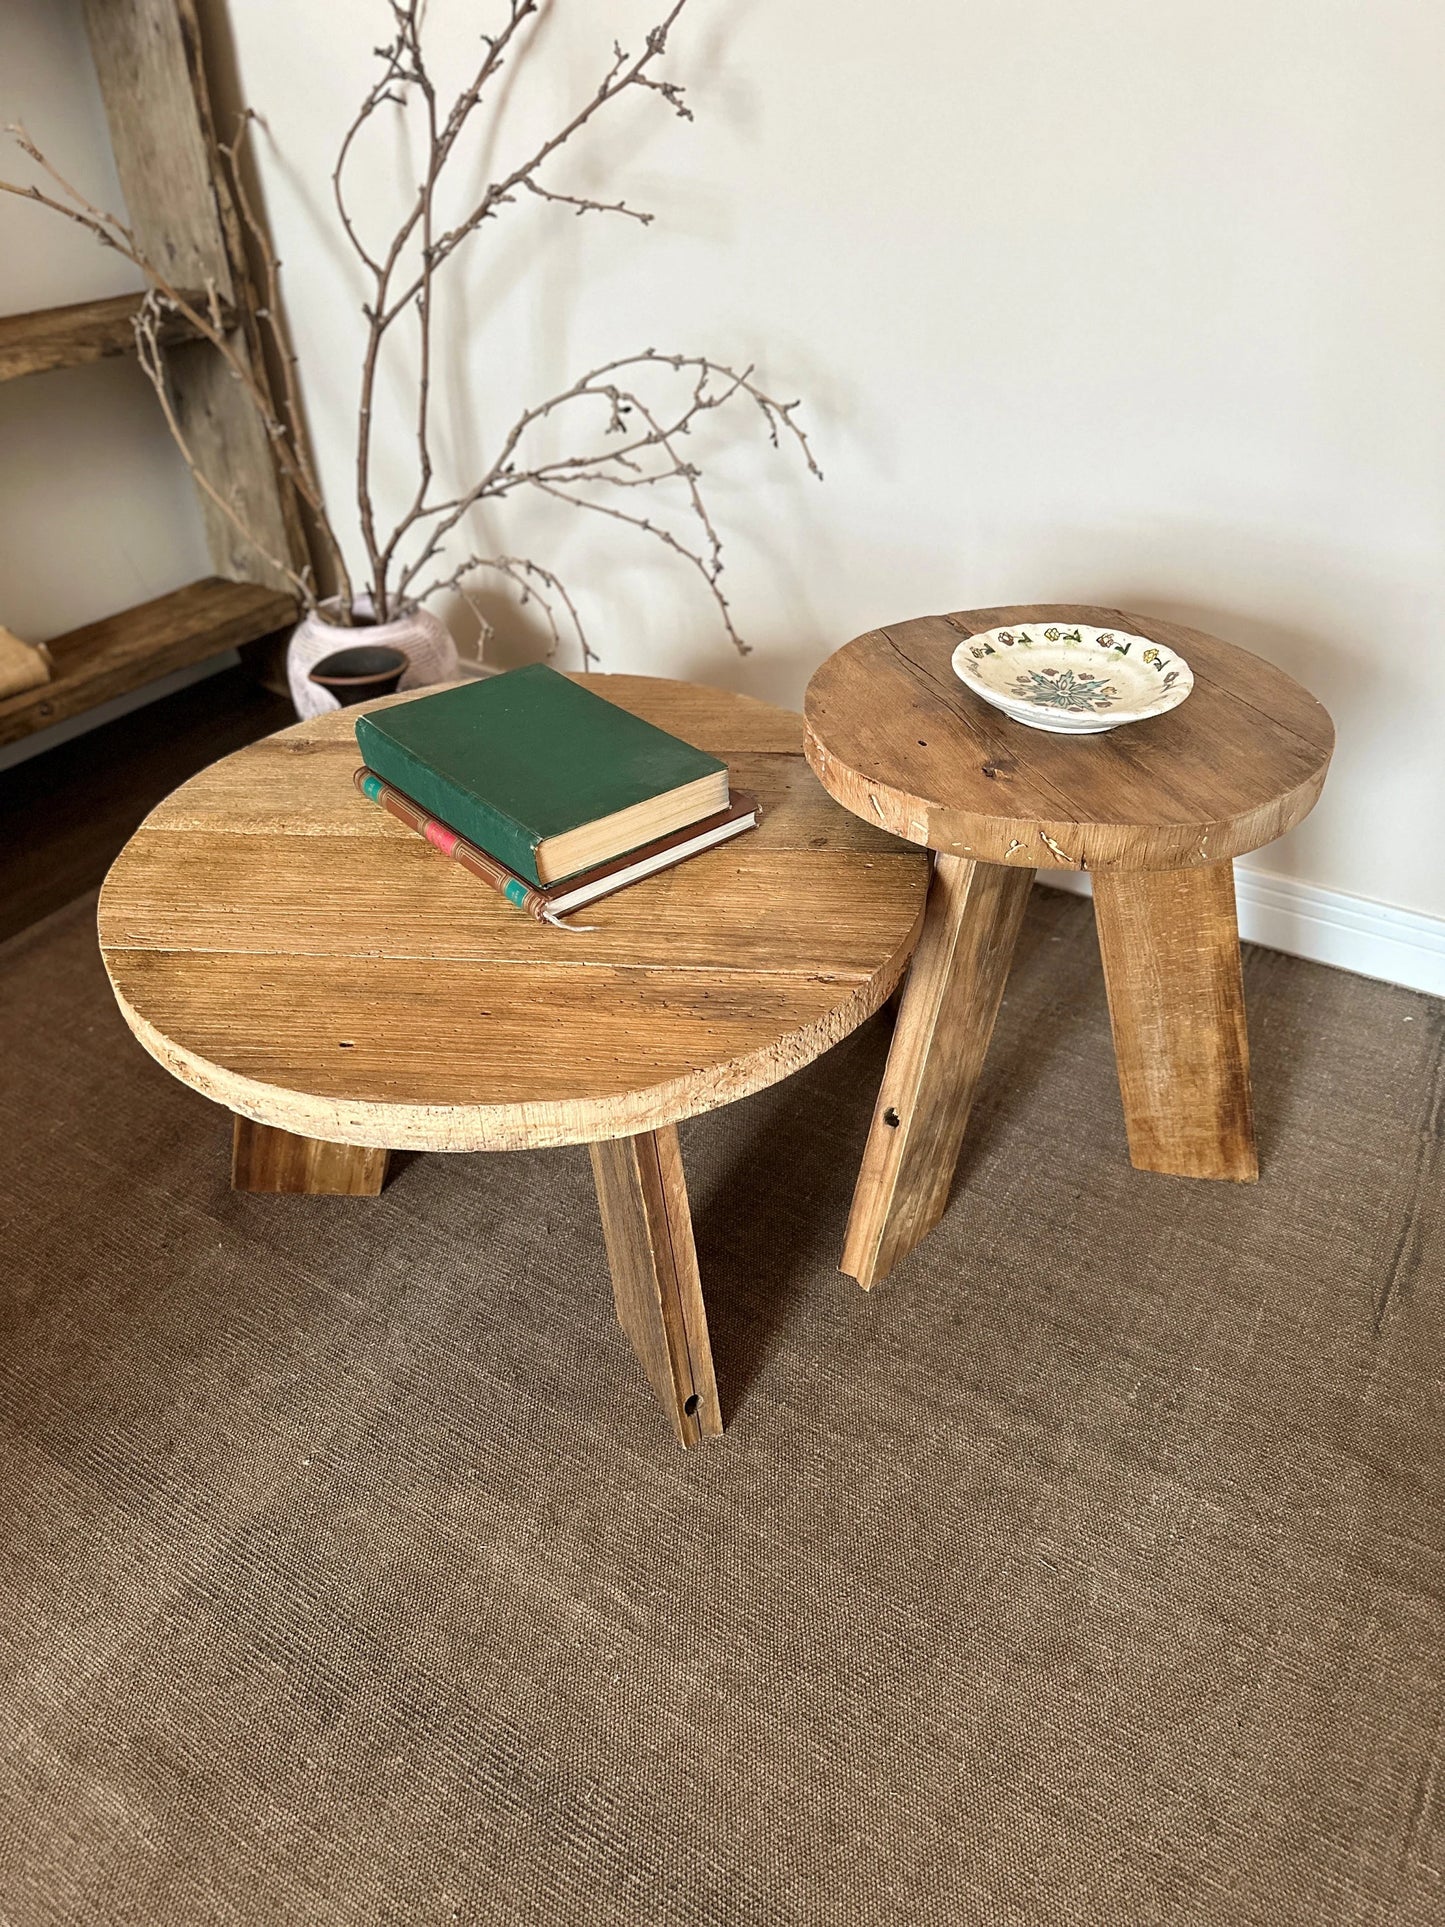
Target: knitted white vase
x=431, y=653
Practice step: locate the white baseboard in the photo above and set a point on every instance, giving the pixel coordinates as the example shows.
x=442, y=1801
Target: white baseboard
x=1352, y=933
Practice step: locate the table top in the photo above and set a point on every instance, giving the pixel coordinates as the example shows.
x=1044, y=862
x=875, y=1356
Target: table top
x=290, y=950
x=895, y=736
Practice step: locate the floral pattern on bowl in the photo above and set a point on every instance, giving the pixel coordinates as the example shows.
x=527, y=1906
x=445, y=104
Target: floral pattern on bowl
x=1073, y=681
x=1065, y=689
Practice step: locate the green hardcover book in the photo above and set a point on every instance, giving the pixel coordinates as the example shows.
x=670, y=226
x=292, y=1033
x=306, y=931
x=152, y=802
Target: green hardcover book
x=541, y=772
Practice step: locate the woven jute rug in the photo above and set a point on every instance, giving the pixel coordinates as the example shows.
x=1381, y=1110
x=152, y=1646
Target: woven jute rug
x=1089, y=1571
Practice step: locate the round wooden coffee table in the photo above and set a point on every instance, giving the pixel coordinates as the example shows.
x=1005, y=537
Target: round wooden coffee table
x=288, y=949
x=1155, y=810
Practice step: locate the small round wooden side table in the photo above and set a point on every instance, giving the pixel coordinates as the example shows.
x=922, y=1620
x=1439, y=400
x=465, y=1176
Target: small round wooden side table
x=1156, y=810
x=291, y=951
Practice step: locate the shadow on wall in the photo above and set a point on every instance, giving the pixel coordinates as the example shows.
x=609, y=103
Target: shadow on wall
x=1328, y=643
x=1332, y=623
x=1326, y=616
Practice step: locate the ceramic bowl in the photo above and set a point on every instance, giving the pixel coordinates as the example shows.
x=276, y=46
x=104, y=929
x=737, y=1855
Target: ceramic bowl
x=1072, y=680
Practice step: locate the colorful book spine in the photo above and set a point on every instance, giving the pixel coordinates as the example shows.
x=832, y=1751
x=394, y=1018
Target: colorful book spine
x=474, y=861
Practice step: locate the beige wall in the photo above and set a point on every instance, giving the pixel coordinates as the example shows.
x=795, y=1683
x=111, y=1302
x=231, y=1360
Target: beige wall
x=1131, y=302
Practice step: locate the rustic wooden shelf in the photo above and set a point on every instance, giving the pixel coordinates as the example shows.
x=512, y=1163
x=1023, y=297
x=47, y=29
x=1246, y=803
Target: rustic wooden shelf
x=32, y=344
x=122, y=652
x=149, y=61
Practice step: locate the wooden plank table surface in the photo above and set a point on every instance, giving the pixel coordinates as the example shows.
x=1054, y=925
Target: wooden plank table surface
x=290, y=950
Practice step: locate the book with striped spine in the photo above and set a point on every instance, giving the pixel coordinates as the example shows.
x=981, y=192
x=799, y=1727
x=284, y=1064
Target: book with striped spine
x=549, y=903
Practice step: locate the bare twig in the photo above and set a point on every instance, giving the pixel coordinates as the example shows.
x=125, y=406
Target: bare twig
x=270, y=312
x=580, y=204
x=206, y=319
x=624, y=73
x=630, y=415
x=403, y=64
x=622, y=466
x=708, y=568
x=532, y=582
x=148, y=353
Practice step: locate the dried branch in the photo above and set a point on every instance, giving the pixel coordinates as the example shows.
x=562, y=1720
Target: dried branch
x=581, y=205
x=620, y=76
x=623, y=466
x=207, y=321
x=402, y=64
x=293, y=420
x=148, y=353
x=709, y=570
x=526, y=576
x=630, y=427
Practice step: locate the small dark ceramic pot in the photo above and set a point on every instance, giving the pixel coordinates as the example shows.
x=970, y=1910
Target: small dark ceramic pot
x=365, y=670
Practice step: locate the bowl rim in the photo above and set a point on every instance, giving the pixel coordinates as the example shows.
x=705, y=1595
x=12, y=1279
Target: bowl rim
x=1167, y=699
x=339, y=678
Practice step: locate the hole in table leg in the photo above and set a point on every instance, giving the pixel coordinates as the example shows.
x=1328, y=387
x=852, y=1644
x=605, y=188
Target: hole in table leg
x=689, y=1404
x=891, y=1118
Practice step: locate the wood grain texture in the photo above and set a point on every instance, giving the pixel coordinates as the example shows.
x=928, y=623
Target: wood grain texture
x=279, y=1161
x=152, y=80
x=642, y=1196
x=122, y=652
x=1170, y=945
x=950, y=1001
x=294, y=953
x=896, y=737
x=33, y=344
x=148, y=73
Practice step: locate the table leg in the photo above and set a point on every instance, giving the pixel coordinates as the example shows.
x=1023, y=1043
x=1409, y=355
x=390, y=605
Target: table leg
x=265, y=1159
x=1170, y=945
x=950, y=1001
x=642, y=1196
